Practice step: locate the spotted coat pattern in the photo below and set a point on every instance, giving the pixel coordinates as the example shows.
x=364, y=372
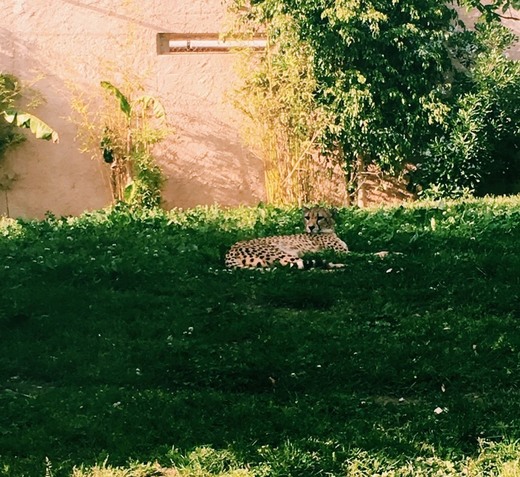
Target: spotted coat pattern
x=287, y=250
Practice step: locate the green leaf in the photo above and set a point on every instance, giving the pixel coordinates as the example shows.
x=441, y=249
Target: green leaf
x=40, y=129
x=123, y=101
x=129, y=191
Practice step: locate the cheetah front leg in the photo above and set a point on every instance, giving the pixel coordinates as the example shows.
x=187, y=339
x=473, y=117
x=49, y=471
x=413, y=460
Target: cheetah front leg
x=292, y=261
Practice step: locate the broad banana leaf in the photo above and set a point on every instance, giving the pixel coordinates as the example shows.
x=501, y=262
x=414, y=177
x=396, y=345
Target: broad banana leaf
x=123, y=101
x=25, y=120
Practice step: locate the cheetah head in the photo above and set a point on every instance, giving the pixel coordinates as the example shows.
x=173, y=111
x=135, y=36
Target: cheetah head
x=318, y=220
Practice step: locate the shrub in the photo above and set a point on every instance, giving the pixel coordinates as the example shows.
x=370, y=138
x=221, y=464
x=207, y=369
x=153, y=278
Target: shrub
x=479, y=150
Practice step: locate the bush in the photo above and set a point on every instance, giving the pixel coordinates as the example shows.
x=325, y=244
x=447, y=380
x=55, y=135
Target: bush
x=479, y=150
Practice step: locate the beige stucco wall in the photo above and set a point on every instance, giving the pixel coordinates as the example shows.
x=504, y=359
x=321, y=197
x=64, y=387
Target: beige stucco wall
x=75, y=41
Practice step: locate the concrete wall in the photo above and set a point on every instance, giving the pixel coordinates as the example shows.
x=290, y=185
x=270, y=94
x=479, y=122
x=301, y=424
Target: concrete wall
x=67, y=42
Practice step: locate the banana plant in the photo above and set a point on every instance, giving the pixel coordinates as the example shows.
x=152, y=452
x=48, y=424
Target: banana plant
x=10, y=90
x=11, y=117
x=119, y=149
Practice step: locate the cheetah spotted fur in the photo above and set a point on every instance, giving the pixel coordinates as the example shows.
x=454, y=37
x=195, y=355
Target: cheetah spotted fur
x=287, y=250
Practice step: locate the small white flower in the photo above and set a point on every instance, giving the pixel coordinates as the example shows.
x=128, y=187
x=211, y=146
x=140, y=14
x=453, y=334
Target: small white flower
x=439, y=410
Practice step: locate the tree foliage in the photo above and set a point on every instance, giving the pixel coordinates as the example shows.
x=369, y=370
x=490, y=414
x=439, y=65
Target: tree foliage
x=402, y=82
x=12, y=119
x=9, y=90
x=478, y=150
x=495, y=9
x=381, y=69
x=40, y=129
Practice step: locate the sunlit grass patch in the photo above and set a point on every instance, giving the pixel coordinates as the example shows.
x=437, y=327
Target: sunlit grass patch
x=122, y=335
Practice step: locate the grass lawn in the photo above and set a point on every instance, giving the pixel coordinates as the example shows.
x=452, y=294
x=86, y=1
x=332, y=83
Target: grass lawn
x=127, y=350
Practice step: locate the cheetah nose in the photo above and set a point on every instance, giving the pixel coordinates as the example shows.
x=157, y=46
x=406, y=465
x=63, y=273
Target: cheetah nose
x=310, y=228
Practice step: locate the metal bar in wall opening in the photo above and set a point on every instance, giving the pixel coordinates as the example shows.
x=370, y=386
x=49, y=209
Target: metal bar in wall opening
x=168, y=43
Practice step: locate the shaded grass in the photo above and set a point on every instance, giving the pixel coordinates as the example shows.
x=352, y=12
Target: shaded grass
x=122, y=337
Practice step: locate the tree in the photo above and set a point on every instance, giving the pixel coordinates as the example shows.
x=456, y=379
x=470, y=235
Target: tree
x=394, y=78
x=478, y=149
x=380, y=70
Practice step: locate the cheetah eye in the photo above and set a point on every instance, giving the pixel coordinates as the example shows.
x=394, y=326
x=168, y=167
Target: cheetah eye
x=307, y=217
x=320, y=217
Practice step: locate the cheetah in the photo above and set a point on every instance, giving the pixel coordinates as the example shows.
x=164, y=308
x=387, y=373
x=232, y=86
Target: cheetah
x=287, y=250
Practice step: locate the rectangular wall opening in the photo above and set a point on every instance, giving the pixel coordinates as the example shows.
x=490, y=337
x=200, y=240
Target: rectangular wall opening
x=170, y=43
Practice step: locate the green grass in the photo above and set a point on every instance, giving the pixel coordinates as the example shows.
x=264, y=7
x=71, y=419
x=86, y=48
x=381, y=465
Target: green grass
x=127, y=349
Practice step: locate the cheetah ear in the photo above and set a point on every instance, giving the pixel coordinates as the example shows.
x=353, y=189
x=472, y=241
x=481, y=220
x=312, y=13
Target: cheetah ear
x=305, y=210
x=334, y=212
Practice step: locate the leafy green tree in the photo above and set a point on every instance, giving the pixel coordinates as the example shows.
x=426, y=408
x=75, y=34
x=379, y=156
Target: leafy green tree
x=380, y=71
x=11, y=120
x=403, y=82
x=8, y=134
